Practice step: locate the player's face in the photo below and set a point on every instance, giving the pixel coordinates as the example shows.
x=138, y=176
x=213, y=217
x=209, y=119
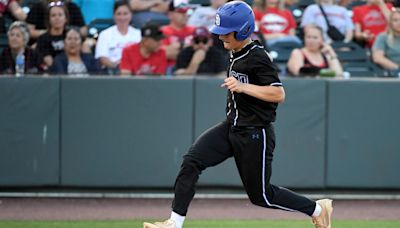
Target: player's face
x=230, y=42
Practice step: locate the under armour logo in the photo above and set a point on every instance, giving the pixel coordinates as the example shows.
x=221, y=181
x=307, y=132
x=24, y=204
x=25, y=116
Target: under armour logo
x=255, y=136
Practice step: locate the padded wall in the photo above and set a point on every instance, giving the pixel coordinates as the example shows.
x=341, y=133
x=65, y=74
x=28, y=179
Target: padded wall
x=29, y=131
x=125, y=132
x=363, y=134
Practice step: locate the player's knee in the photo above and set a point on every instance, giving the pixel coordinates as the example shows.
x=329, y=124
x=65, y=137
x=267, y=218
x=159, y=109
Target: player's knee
x=258, y=201
x=190, y=164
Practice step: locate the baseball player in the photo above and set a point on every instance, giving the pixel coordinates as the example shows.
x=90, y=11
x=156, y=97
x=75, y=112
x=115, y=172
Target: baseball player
x=247, y=134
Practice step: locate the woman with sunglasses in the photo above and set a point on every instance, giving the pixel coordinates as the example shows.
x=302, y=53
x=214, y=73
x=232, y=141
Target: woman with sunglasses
x=201, y=57
x=51, y=43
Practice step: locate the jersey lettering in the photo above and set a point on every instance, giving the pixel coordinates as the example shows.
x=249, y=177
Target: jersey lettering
x=243, y=78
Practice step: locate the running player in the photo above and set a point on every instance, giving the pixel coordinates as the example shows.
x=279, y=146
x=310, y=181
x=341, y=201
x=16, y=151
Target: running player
x=247, y=134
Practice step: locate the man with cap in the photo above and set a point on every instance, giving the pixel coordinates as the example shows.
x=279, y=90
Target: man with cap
x=178, y=34
x=201, y=57
x=145, y=57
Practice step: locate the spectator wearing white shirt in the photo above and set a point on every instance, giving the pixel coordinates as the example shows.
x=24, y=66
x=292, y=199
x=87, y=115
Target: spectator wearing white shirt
x=112, y=40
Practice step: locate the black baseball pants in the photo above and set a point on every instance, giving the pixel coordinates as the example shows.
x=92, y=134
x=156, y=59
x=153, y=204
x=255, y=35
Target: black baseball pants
x=252, y=149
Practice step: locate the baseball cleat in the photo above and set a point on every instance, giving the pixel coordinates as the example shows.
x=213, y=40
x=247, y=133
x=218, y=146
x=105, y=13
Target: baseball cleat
x=324, y=219
x=166, y=224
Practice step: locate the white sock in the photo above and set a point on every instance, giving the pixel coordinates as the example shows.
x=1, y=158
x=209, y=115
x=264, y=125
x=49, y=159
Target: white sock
x=317, y=210
x=178, y=219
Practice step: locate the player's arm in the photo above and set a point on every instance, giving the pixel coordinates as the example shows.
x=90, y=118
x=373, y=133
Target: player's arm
x=268, y=93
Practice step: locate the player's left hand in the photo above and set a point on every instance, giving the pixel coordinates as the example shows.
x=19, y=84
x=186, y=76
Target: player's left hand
x=233, y=85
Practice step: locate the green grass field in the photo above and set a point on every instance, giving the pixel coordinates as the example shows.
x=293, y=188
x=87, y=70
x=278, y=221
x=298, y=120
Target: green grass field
x=198, y=224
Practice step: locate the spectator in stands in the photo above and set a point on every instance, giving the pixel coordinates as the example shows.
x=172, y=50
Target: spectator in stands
x=370, y=20
x=38, y=14
x=205, y=15
x=111, y=41
x=276, y=23
x=94, y=9
x=12, y=7
x=72, y=61
x=146, y=57
x=146, y=10
x=314, y=56
x=178, y=33
x=337, y=17
x=386, y=49
x=18, y=37
x=51, y=43
x=201, y=57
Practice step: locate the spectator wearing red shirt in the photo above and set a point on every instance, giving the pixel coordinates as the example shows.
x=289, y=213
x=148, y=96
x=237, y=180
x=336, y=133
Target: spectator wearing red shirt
x=178, y=34
x=370, y=20
x=145, y=57
x=275, y=22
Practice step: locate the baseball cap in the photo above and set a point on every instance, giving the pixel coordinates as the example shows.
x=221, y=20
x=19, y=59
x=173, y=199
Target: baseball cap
x=179, y=6
x=152, y=30
x=201, y=32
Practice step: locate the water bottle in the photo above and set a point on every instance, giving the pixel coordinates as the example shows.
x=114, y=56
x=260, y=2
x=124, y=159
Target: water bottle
x=20, y=64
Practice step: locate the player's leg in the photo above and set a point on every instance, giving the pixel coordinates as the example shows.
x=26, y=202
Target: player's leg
x=253, y=152
x=210, y=149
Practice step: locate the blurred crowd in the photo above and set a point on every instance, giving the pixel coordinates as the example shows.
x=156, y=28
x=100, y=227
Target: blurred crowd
x=335, y=38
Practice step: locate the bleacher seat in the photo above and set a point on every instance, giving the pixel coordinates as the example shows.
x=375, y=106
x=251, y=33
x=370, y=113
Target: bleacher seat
x=350, y=52
x=363, y=69
x=3, y=41
x=281, y=52
x=98, y=25
x=392, y=73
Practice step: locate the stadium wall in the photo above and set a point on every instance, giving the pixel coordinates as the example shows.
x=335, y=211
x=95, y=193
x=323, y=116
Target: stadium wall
x=133, y=132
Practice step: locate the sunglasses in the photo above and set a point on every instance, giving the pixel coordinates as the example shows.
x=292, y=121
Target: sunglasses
x=198, y=40
x=57, y=3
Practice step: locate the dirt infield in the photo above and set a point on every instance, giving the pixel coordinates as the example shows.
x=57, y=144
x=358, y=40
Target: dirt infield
x=117, y=209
